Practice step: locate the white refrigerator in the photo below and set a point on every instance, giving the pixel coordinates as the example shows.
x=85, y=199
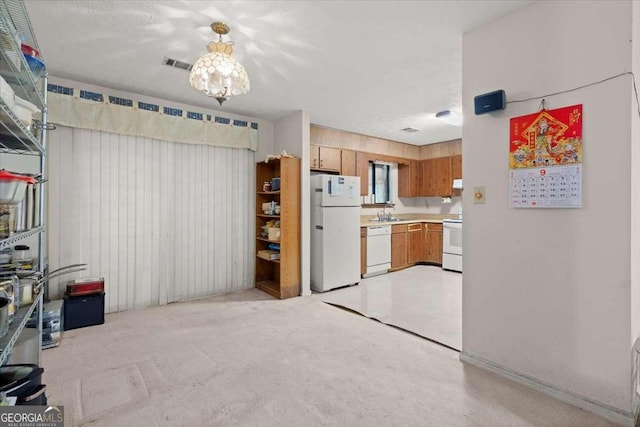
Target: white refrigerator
x=335, y=231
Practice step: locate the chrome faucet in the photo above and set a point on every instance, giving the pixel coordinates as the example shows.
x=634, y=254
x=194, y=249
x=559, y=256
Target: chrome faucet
x=383, y=215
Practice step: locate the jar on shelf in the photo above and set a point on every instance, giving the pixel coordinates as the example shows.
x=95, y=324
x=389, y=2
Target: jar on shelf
x=266, y=186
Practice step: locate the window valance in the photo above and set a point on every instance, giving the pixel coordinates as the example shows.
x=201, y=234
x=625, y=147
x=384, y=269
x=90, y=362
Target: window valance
x=90, y=110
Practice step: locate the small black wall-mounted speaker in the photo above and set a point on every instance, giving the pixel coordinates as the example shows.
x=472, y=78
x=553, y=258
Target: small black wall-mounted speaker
x=491, y=101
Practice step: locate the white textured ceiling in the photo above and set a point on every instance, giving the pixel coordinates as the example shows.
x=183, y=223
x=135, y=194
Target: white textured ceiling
x=371, y=67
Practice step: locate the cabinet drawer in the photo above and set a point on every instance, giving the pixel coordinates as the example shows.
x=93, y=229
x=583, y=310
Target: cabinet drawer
x=398, y=228
x=415, y=227
x=432, y=226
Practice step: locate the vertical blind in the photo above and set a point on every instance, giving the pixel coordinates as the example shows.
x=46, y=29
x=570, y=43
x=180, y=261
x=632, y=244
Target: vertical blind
x=160, y=221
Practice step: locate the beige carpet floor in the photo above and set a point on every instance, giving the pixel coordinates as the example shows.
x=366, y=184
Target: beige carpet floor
x=245, y=359
x=423, y=299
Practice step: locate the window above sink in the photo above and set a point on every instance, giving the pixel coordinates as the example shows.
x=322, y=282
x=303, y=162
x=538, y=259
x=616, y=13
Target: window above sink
x=380, y=182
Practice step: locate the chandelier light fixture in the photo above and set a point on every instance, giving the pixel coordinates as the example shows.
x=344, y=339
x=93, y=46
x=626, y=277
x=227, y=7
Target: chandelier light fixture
x=217, y=73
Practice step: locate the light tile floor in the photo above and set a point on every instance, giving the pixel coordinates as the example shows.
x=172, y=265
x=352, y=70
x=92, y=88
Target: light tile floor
x=425, y=300
x=247, y=359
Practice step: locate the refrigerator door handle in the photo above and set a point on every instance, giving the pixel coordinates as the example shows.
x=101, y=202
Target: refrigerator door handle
x=319, y=227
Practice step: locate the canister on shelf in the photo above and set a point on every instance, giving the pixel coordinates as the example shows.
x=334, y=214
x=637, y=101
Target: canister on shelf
x=274, y=234
x=7, y=291
x=26, y=291
x=275, y=184
x=20, y=253
x=266, y=186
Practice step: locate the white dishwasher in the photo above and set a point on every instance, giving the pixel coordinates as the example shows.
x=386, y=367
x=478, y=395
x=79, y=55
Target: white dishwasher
x=378, y=249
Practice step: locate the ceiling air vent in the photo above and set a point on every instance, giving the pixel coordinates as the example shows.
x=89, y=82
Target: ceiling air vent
x=409, y=130
x=177, y=64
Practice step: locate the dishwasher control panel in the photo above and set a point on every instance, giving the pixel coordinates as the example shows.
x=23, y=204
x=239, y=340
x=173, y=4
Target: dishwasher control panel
x=379, y=230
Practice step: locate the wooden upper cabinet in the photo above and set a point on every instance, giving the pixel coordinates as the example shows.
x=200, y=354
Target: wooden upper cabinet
x=456, y=167
x=410, y=179
x=456, y=171
x=437, y=177
x=330, y=158
x=362, y=168
x=348, y=163
x=325, y=158
x=417, y=178
x=405, y=182
x=314, y=161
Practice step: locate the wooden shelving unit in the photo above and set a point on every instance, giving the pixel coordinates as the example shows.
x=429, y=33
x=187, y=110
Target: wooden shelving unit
x=280, y=278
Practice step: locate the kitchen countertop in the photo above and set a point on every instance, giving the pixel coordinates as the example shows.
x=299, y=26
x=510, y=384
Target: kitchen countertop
x=406, y=219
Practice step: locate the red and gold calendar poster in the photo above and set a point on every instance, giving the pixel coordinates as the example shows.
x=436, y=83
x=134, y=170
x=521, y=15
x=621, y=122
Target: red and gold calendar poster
x=545, y=159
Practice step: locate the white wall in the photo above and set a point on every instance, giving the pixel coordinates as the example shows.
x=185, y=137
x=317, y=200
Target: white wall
x=265, y=140
x=546, y=292
x=635, y=205
x=292, y=133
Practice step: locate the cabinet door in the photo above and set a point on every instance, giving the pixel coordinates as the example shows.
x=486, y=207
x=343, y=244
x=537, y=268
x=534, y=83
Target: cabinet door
x=314, y=161
x=348, y=163
x=416, y=243
x=363, y=250
x=398, y=250
x=417, y=178
x=405, y=181
x=330, y=158
x=362, y=165
x=437, y=177
x=433, y=243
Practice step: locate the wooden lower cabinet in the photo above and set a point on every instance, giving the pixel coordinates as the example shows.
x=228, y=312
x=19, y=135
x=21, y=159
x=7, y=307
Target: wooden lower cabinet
x=363, y=250
x=433, y=243
x=411, y=244
x=399, y=247
x=416, y=243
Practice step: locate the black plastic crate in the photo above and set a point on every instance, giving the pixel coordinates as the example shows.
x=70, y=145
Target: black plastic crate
x=82, y=311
